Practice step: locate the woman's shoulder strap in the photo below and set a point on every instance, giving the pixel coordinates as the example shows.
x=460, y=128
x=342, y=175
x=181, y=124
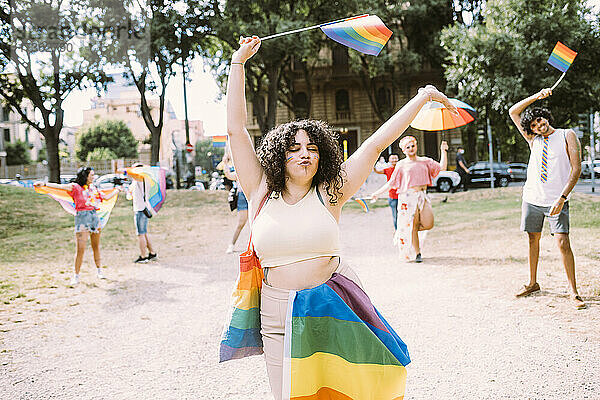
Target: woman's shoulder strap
x=262, y=203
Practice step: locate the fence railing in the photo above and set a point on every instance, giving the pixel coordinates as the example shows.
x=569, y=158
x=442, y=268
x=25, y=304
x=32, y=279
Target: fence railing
x=40, y=171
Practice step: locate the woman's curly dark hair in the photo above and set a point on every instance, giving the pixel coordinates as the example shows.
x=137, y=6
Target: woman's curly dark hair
x=531, y=114
x=271, y=154
x=82, y=175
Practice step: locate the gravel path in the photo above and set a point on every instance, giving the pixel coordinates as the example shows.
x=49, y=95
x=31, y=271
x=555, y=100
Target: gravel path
x=152, y=331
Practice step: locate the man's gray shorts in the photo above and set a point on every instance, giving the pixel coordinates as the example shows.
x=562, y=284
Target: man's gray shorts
x=532, y=218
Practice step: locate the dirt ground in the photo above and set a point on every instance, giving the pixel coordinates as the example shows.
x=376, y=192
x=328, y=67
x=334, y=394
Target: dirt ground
x=152, y=331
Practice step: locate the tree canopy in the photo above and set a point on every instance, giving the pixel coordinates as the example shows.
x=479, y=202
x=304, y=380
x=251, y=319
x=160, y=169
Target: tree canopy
x=110, y=135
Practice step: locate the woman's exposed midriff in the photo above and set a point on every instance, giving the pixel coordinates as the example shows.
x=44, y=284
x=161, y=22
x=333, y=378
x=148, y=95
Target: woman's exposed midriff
x=419, y=188
x=303, y=274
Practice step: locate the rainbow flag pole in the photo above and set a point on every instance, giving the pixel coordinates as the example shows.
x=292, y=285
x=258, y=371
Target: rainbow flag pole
x=365, y=33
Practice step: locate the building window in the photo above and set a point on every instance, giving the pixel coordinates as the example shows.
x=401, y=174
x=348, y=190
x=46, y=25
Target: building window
x=5, y=113
x=383, y=99
x=339, y=55
x=27, y=135
x=300, y=104
x=6, y=135
x=342, y=104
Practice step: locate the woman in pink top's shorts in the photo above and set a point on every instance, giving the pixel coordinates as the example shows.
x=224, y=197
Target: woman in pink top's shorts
x=410, y=179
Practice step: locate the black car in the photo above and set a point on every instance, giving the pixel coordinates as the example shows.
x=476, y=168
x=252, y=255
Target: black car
x=480, y=174
x=517, y=171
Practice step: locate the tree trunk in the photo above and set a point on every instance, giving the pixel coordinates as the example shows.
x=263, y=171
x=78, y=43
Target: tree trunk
x=272, y=97
x=51, y=138
x=155, y=134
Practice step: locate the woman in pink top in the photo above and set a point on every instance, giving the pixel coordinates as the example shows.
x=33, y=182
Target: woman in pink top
x=87, y=200
x=410, y=179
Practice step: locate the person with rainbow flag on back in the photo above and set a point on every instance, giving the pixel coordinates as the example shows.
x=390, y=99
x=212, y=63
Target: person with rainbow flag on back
x=322, y=337
x=87, y=199
x=552, y=172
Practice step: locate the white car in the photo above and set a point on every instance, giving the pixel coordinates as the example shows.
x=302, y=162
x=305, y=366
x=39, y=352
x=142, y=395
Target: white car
x=446, y=181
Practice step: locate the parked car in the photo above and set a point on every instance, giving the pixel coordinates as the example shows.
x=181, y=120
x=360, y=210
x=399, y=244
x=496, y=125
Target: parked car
x=517, y=171
x=480, y=174
x=67, y=178
x=586, y=171
x=446, y=181
x=110, y=181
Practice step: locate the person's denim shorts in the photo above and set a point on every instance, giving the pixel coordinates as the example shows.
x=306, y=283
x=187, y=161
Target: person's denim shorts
x=141, y=223
x=242, y=203
x=87, y=221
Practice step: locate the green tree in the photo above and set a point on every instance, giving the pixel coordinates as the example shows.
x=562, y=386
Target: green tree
x=493, y=64
x=206, y=153
x=112, y=135
x=101, y=153
x=40, y=64
x=17, y=153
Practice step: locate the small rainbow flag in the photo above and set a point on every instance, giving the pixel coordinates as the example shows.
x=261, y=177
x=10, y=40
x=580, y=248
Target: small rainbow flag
x=338, y=346
x=365, y=33
x=562, y=57
x=219, y=141
x=363, y=204
x=155, y=184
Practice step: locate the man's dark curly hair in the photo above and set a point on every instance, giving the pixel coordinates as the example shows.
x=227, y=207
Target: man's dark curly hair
x=271, y=154
x=531, y=114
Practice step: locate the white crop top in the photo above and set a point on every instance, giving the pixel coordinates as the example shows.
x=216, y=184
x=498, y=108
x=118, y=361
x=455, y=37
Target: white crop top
x=284, y=234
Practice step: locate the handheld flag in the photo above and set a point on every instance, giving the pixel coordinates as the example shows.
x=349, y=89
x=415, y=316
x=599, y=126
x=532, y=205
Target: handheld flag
x=363, y=204
x=66, y=201
x=561, y=58
x=155, y=184
x=365, y=33
x=219, y=141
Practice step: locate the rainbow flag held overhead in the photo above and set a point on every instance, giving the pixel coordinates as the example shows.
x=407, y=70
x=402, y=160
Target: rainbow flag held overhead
x=365, y=33
x=562, y=57
x=363, y=204
x=66, y=201
x=219, y=141
x=155, y=186
x=338, y=346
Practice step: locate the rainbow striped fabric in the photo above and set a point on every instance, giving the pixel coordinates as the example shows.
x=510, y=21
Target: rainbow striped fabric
x=363, y=204
x=544, y=169
x=562, y=57
x=155, y=184
x=338, y=346
x=219, y=141
x=242, y=337
x=66, y=201
x=366, y=33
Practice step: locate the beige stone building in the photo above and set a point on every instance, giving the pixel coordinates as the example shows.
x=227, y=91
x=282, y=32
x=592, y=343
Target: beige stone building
x=339, y=98
x=122, y=102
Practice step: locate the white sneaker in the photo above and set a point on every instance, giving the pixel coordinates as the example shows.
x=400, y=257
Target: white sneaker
x=74, y=280
x=229, y=249
x=99, y=274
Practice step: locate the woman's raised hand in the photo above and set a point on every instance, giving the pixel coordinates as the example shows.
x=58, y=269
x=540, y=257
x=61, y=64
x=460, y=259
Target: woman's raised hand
x=542, y=94
x=435, y=95
x=444, y=146
x=248, y=47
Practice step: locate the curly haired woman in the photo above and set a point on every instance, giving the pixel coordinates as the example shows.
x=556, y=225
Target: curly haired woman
x=299, y=178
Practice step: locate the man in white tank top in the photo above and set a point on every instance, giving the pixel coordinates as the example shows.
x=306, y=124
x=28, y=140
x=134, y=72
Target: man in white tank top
x=553, y=170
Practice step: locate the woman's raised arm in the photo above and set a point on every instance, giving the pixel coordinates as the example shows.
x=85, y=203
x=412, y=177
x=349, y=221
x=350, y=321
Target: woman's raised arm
x=248, y=169
x=360, y=164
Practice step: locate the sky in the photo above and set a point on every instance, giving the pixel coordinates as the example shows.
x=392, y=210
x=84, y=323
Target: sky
x=203, y=102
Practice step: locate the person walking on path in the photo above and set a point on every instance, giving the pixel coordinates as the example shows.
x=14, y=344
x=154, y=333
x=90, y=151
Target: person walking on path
x=136, y=193
x=410, y=180
x=298, y=173
x=462, y=169
x=87, y=200
x=241, y=202
x=553, y=170
x=392, y=195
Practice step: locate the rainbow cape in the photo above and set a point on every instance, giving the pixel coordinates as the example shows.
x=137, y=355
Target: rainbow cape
x=338, y=346
x=562, y=57
x=155, y=182
x=66, y=201
x=365, y=33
